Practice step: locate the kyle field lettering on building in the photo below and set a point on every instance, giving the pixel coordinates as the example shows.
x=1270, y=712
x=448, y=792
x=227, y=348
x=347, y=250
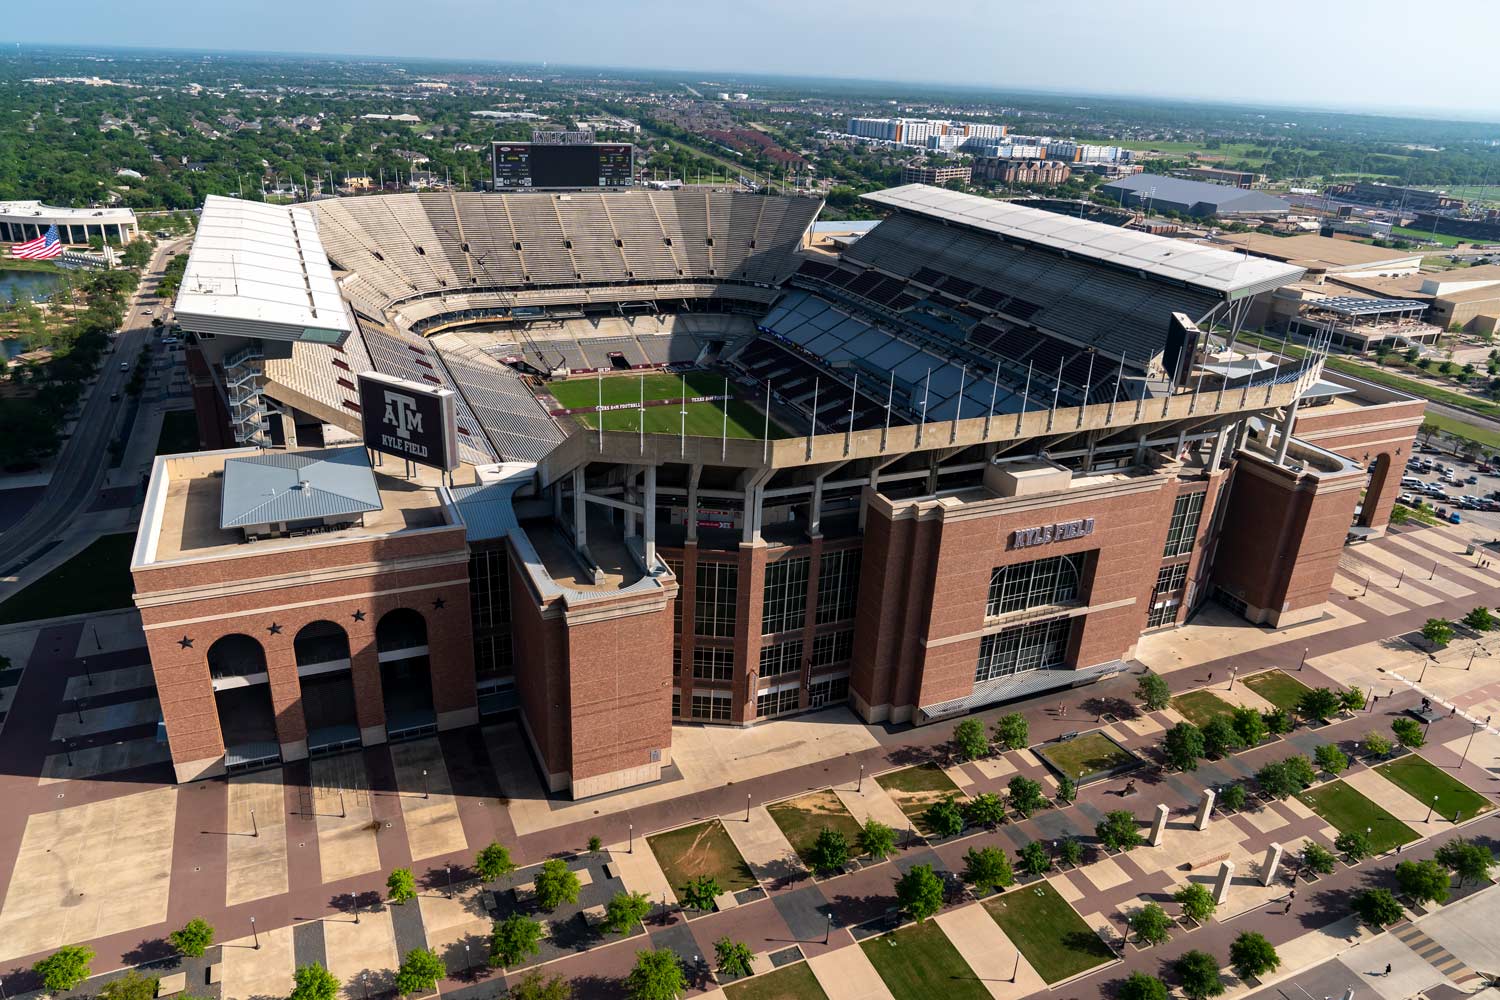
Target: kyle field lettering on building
x=1024, y=538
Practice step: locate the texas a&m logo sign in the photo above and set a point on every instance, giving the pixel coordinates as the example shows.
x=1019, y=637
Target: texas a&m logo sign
x=409, y=420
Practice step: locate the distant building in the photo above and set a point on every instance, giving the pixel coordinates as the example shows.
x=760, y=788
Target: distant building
x=1003, y=171
x=1394, y=196
x=915, y=131
x=1196, y=198
x=1485, y=230
x=26, y=220
x=409, y=119
x=918, y=173
x=1236, y=178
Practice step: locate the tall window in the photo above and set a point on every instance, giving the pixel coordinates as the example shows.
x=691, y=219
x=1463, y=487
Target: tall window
x=1034, y=584
x=1183, y=530
x=1171, y=578
x=832, y=690
x=676, y=704
x=1162, y=614
x=489, y=588
x=781, y=658
x=786, y=595
x=1025, y=647
x=675, y=565
x=777, y=702
x=714, y=598
x=838, y=585
x=711, y=664
x=712, y=705
x=834, y=647
x=492, y=655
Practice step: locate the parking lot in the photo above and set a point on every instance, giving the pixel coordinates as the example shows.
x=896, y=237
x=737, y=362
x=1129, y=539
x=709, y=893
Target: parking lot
x=1480, y=525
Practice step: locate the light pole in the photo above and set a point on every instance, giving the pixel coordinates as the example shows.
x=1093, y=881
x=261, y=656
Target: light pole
x=1474, y=728
x=632, y=838
x=68, y=749
x=1476, y=649
x=424, y=782
x=468, y=963
x=79, y=706
x=342, y=813
x=1423, y=674
x=255, y=934
x=747, y=807
x=859, y=788
x=1303, y=662
x=355, y=897
x=1232, y=671
x=254, y=827
x=448, y=870
x=1431, y=808
x=828, y=927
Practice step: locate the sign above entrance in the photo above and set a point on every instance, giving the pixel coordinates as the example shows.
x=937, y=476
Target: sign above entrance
x=1062, y=531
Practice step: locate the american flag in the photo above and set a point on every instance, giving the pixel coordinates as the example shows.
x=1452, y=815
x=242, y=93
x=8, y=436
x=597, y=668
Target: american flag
x=44, y=247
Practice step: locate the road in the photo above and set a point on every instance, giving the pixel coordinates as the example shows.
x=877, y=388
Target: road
x=81, y=466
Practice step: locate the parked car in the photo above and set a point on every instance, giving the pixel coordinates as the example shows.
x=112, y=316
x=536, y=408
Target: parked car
x=124, y=366
x=1472, y=480
x=1453, y=518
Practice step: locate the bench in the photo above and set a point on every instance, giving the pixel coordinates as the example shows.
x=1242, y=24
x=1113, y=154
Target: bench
x=170, y=984
x=1212, y=859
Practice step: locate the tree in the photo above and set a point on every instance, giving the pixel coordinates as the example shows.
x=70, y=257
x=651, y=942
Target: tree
x=1026, y=795
x=1117, y=831
x=1151, y=925
x=700, y=892
x=401, y=885
x=1480, y=619
x=734, y=957
x=920, y=892
x=987, y=869
x=944, y=818
x=1252, y=956
x=1471, y=862
x=131, y=986
x=657, y=976
x=65, y=968
x=1352, y=700
x=970, y=740
x=624, y=910
x=555, y=885
x=1377, y=745
x=1377, y=907
x=1220, y=737
x=1317, y=858
x=1277, y=721
x=515, y=938
x=876, y=839
x=419, y=972
x=1354, y=845
x=1319, y=703
x=1184, y=745
x=1437, y=631
x=1153, y=691
x=492, y=862
x=1011, y=731
x=1232, y=797
x=193, y=939
x=1197, y=902
x=1423, y=881
x=830, y=851
x=1198, y=975
x=595, y=845
x=535, y=986
x=1331, y=759
x=1409, y=733
x=1067, y=791
x=1142, y=986
x=314, y=982
x=985, y=809
x=1034, y=858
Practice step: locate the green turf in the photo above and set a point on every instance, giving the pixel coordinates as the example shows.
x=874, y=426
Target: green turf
x=179, y=433
x=1422, y=779
x=96, y=579
x=1200, y=707
x=790, y=982
x=919, y=962
x=1430, y=236
x=1091, y=753
x=804, y=817
x=1350, y=811
x=703, y=419
x=1279, y=688
x=701, y=849
x=1049, y=932
x=913, y=789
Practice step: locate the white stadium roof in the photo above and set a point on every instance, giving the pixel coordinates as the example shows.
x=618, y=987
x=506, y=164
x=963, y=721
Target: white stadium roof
x=1221, y=272
x=36, y=212
x=259, y=270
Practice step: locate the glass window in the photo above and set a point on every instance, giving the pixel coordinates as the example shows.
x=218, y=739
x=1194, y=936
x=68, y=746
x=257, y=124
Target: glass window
x=492, y=654
x=777, y=702
x=1171, y=578
x=712, y=705
x=675, y=565
x=1183, y=529
x=833, y=647
x=713, y=664
x=838, y=585
x=1034, y=584
x=1162, y=614
x=676, y=704
x=781, y=658
x=1026, y=647
x=489, y=588
x=786, y=595
x=714, y=599
x=831, y=691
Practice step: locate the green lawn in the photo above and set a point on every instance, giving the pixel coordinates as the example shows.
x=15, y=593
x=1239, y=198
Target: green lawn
x=1430, y=236
x=703, y=419
x=1278, y=687
x=804, y=817
x=701, y=849
x=1091, y=753
x=1422, y=779
x=919, y=962
x=916, y=788
x=96, y=579
x=1348, y=810
x=179, y=433
x=790, y=982
x=1048, y=931
x=1200, y=707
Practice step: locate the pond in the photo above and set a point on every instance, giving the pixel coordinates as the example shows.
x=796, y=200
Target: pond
x=37, y=284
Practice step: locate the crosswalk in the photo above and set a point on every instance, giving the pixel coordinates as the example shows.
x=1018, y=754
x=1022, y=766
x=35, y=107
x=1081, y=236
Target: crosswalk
x=1432, y=953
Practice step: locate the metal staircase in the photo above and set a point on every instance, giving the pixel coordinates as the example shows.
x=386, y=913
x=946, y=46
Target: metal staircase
x=244, y=377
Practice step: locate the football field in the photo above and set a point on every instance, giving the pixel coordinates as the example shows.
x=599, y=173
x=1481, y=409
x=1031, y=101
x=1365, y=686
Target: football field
x=703, y=419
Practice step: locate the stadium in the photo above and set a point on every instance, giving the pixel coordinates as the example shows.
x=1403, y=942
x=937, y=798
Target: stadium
x=703, y=473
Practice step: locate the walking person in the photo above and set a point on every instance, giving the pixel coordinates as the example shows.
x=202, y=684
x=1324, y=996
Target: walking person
x=1388, y=968
x=1288, y=908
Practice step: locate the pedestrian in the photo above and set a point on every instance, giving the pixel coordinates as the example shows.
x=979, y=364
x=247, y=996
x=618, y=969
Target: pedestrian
x=1291, y=895
x=1062, y=710
x=1288, y=908
x=1388, y=968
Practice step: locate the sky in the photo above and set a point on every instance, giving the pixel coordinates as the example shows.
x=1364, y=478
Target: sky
x=1356, y=55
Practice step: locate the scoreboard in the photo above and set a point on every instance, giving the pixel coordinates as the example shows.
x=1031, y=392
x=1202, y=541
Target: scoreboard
x=532, y=166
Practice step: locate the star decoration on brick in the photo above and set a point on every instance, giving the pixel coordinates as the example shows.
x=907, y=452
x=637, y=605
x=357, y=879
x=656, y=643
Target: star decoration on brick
x=439, y=604
x=359, y=616
x=185, y=642
x=274, y=629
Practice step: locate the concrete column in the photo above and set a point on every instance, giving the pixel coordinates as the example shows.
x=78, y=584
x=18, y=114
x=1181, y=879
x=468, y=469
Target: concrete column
x=815, y=508
x=580, y=512
x=1159, y=827
x=692, y=502
x=648, y=517
x=1221, y=884
x=1140, y=448
x=1205, y=810
x=1285, y=435
x=1220, y=442
x=1273, y=862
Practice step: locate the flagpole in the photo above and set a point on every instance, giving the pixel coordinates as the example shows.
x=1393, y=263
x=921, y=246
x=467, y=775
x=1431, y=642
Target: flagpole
x=765, y=450
x=641, y=417
x=926, y=385
x=990, y=413
x=890, y=397
x=601, y=412
x=1025, y=398
x=958, y=409
x=853, y=400
x=724, y=431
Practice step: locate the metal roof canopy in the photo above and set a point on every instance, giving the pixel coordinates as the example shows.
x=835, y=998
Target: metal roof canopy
x=1220, y=272
x=1353, y=305
x=279, y=487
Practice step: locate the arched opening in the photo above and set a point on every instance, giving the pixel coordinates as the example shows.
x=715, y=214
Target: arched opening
x=242, y=696
x=1380, y=495
x=323, y=670
x=406, y=681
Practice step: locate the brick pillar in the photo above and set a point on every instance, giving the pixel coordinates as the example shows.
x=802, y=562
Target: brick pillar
x=810, y=619
x=687, y=587
x=187, y=705
x=450, y=658
x=747, y=638
x=369, y=696
x=286, y=701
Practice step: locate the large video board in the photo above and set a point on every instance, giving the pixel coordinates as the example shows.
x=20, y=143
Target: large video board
x=530, y=166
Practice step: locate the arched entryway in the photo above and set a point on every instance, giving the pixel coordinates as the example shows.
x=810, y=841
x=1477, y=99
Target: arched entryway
x=323, y=671
x=1380, y=494
x=242, y=696
x=405, y=679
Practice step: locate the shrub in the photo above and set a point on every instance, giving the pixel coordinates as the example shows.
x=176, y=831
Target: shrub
x=493, y=861
x=830, y=851
x=1011, y=731
x=1331, y=759
x=535, y=986
x=1198, y=975
x=1377, y=745
x=657, y=976
x=1197, y=902
x=1151, y=925
x=1034, y=858
x=1232, y=796
x=1423, y=881
x=1070, y=851
x=1248, y=725
x=1317, y=858
x=624, y=910
x=987, y=869
x=1184, y=745
x=1277, y=721
x=969, y=739
x=944, y=818
x=1118, y=831
x=1354, y=845
x=920, y=892
x=1377, y=907
x=595, y=845
x=1437, y=631
x=700, y=892
x=193, y=939
x=734, y=957
x=1480, y=619
x=1409, y=733
x=1276, y=780
x=401, y=885
x=1026, y=795
x=1319, y=703
x=515, y=938
x=1142, y=986
x=1352, y=700
x=1220, y=737
x=985, y=809
x=1153, y=691
x=131, y=986
x=876, y=839
x=555, y=885
x=419, y=972
x=1471, y=862
x=314, y=982
x=1252, y=956
x=1067, y=791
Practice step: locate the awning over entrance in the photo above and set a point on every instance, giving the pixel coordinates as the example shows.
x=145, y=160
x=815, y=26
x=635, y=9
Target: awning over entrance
x=1017, y=685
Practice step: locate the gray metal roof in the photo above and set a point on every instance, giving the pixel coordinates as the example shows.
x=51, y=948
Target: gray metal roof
x=1179, y=190
x=1353, y=305
x=297, y=486
x=1220, y=272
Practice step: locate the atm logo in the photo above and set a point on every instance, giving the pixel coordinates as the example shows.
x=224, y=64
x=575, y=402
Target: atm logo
x=1062, y=531
x=402, y=415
